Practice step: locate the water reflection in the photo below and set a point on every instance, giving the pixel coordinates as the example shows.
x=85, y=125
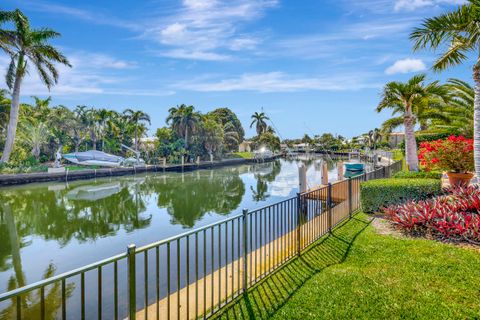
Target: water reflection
x=187, y=199
x=67, y=225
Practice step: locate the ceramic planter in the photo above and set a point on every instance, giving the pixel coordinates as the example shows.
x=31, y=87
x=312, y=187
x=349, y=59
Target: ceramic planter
x=460, y=179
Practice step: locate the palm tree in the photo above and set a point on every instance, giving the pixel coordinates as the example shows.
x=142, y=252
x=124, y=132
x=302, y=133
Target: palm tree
x=459, y=30
x=460, y=109
x=103, y=116
x=79, y=126
x=373, y=138
x=35, y=135
x=136, y=117
x=259, y=119
x=183, y=120
x=427, y=111
x=404, y=97
x=25, y=45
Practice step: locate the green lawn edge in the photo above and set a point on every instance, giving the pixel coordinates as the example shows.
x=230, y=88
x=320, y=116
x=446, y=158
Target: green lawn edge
x=356, y=273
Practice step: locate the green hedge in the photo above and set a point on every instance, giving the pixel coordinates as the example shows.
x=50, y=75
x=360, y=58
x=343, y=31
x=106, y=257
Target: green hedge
x=417, y=175
x=377, y=194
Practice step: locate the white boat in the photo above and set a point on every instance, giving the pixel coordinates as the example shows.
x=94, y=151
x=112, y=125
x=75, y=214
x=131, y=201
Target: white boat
x=94, y=158
x=95, y=192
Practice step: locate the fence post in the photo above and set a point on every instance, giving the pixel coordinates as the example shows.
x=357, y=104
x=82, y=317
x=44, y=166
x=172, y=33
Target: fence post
x=244, y=250
x=350, y=205
x=329, y=206
x=299, y=213
x=131, y=274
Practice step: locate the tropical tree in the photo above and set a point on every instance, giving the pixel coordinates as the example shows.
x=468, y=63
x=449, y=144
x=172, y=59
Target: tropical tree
x=183, y=120
x=403, y=97
x=25, y=45
x=233, y=131
x=459, y=33
x=35, y=135
x=459, y=110
x=136, y=117
x=212, y=135
x=259, y=120
x=373, y=137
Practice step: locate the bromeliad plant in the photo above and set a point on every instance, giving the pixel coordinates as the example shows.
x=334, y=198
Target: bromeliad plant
x=454, y=154
x=454, y=216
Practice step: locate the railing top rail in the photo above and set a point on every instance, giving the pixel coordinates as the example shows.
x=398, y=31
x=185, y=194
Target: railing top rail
x=270, y=205
x=185, y=234
x=65, y=275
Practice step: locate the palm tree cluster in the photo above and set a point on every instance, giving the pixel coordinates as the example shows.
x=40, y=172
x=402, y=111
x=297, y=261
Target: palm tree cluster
x=193, y=134
x=43, y=129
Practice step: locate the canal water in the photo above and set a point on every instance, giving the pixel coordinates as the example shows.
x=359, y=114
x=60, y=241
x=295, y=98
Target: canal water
x=50, y=228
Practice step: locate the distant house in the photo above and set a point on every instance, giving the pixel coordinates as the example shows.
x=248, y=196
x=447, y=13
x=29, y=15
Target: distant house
x=395, y=138
x=301, y=147
x=245, y=146
x=147, y=142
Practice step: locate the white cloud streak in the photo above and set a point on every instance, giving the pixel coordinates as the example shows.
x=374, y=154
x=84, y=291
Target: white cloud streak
x=280, y=82
x=411, y=5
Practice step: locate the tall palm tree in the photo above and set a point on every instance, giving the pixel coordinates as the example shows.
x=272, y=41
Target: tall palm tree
x=259, y=119
x=404, y=97
x=458, y=32
x=25, y=45
x=183, y=120
x=136, y=117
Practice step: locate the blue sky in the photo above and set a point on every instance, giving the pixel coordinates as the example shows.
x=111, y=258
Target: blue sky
x=314, y=66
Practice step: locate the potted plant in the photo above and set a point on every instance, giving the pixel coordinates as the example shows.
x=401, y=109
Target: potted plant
x=453, y=155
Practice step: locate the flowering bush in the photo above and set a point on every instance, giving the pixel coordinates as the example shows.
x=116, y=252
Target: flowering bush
x=454, y=216
x=452, y=154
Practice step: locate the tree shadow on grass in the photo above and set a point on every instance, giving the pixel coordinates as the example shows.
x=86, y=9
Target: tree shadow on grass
x=269, y=295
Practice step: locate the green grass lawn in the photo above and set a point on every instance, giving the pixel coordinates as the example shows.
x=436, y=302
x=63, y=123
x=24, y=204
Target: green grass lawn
x=356, y=273
x=244, y=155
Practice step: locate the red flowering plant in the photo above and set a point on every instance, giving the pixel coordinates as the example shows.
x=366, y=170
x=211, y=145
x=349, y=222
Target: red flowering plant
x=454, y=154
x=454, y=216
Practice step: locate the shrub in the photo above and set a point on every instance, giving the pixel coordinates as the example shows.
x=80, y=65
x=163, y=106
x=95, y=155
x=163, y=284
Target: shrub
x=455, y=216
x=378, y=194
x=452, y=154
x=418, y=175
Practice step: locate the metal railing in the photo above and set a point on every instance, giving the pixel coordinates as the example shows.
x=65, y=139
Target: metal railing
x=194, y=274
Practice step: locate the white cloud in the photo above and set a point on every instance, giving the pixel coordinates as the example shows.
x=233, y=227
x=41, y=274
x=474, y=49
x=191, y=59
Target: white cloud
x=194, y=55
x=91, y=73
x=410, y=5
x=279, y=82
x=207, y=29
x=406, y=66
x=90, y=16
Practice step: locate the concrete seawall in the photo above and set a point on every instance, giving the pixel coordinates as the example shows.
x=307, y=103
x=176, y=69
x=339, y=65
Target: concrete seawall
x=24, y=178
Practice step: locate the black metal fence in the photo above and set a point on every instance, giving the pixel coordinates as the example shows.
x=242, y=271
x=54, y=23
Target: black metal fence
x=193, y=274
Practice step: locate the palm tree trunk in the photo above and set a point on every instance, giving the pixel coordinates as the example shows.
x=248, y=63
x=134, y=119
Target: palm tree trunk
x=15, y=244
x=13, y=122
x=476, y=121
x=186, y=138
x=410, y=141
x=136, y=137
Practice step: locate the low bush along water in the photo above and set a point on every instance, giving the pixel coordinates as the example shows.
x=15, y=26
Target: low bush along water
x=378, y=194
x=454, y=216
